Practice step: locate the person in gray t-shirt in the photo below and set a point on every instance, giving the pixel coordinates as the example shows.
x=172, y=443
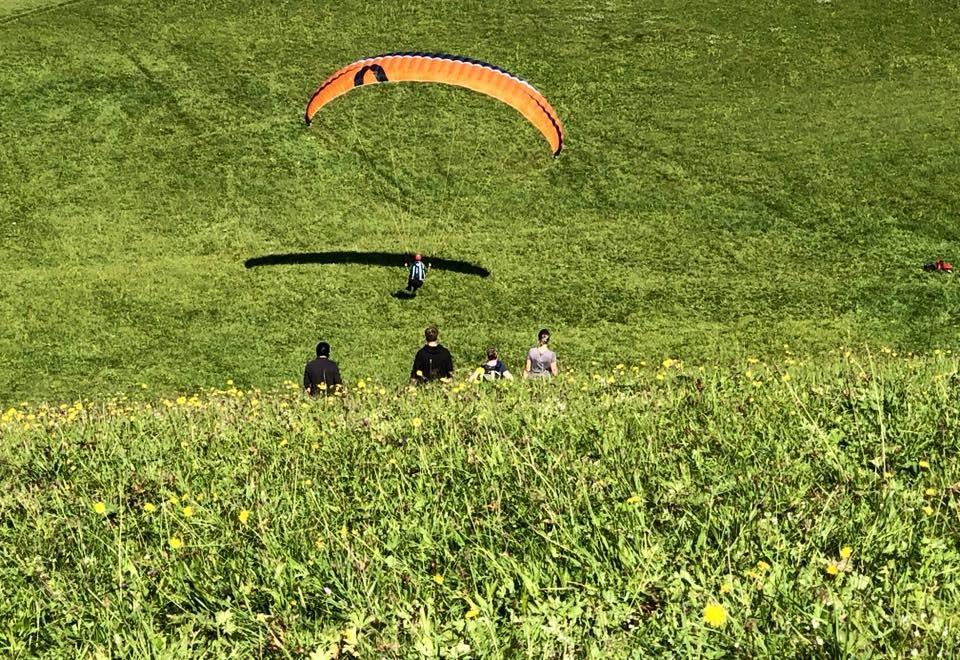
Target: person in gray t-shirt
x=541, y=361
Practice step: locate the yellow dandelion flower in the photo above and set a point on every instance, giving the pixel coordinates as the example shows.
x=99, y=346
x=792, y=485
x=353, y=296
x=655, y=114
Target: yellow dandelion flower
x=243, y=516
x=438, y=578
x=786, y=378
x=763, y=566
x=667, y=363
x=845, y=552
x=319, y=543
x=832, y=569
x=633, y=499
x=187, y=511
x=181, y=400
x=361, y=384
x=930, y=492
x=472, y=613
x=149, y=507
x=924, y=465
x=928, y=510
x=99, y=508
x=715, y=614
x=176, y=542
x=726, y=587
x=416, y=422
x=381, y=391
x=344, y=532
x=230, y=382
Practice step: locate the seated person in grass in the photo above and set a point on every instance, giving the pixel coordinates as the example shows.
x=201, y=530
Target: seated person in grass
x=492, y=369
x=322, y=375
x=541, y=361
x=433, y=361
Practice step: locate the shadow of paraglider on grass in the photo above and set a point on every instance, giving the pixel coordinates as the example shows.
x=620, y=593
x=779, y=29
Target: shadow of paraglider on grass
x=388, y=259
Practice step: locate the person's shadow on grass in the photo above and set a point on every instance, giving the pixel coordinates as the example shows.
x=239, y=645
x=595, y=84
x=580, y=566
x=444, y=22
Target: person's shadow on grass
x=403, y=295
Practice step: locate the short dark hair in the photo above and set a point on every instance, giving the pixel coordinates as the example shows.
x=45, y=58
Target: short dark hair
x=323, y=349
x=431, y=333
x=543, y=333
x=491, y=352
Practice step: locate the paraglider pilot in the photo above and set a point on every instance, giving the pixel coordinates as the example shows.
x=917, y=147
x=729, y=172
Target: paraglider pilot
x=417, y=275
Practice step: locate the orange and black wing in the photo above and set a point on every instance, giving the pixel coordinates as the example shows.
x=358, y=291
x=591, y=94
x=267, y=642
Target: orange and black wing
x=449, y=69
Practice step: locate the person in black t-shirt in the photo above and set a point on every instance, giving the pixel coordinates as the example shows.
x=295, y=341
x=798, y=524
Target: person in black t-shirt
x=433, y=361
x=322, y=375
x=492, y=369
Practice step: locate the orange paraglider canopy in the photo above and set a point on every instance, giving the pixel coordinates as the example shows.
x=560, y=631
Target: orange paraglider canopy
x=452, y=70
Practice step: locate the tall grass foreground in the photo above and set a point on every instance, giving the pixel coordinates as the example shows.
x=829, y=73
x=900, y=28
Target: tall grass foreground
x=762, y=508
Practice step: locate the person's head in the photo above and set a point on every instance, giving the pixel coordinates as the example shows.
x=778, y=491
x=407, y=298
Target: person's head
x=417, y=257
x=492, y=352
x=431, y=334
x=543, y=337
x=323, y=349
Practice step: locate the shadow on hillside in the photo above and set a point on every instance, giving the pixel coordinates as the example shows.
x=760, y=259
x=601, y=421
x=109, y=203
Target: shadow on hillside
x=389, y=259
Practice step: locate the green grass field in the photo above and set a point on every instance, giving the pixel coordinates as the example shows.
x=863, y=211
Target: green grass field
x=817, y=504
x=735, y=177
x=750, y=189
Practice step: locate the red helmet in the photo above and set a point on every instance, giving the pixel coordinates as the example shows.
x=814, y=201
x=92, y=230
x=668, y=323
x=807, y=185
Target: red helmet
x=417, y=257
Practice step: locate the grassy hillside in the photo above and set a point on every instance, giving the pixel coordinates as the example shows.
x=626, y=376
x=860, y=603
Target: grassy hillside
x=813, y=509
x=736, y=176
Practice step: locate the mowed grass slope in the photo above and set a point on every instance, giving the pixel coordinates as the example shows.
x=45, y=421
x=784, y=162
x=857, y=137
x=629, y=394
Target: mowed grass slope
x=736, y=176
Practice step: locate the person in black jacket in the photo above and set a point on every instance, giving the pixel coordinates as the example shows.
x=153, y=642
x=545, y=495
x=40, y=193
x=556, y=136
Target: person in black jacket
x=432, y=361
x=322, y=375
